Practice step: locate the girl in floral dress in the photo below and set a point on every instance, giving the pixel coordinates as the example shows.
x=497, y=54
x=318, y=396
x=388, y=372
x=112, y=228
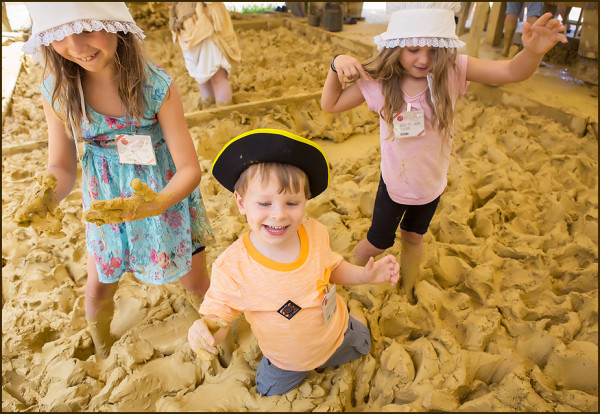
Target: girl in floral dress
x=143, y=210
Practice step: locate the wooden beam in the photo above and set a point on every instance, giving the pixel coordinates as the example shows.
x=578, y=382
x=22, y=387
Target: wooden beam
x=5, y=21
x=495, y=25
x=588, y=43
x=482, y=10
x=463, y=17
x=247, y=107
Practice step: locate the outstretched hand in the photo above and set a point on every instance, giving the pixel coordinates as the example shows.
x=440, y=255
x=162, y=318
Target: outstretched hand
x=201, y=339
x=350, y=68
x=144, y=202
x=383, y=270
x=543, y=34
x=41, y=210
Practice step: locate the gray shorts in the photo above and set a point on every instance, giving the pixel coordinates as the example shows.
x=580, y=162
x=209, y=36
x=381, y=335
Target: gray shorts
x=534, y=8
x=272, y=380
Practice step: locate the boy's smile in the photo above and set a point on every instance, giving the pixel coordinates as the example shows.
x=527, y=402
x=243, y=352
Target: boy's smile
x=275, y=230
x=274, y=218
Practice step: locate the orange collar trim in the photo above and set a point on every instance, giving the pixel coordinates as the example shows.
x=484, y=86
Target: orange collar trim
x=272, y=264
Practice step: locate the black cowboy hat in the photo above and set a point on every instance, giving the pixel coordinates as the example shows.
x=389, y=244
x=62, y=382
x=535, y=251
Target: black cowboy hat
x=271, y=145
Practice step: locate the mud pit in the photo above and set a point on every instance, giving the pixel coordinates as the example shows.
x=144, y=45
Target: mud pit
x=506, y=317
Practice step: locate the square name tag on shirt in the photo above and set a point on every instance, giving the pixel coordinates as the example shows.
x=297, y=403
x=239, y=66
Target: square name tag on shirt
x=409, y=124
x=135, y=149
x=289, y=309
x=329, y=304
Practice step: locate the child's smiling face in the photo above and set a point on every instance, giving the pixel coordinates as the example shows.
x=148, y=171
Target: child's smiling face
x=417, y=61
x=92, y=51
x=274, y=217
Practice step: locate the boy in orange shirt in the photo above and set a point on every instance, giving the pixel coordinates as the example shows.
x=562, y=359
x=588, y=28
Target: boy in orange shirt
x=282, y=273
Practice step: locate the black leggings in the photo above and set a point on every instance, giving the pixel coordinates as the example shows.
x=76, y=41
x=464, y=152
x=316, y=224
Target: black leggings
x=387, y=214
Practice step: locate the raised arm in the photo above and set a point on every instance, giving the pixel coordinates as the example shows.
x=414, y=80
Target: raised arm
x=537, y=40
x=335, y=98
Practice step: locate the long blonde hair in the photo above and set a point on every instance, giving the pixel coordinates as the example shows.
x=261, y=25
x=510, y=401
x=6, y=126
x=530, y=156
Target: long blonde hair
x=385, y=67
x=130, y=68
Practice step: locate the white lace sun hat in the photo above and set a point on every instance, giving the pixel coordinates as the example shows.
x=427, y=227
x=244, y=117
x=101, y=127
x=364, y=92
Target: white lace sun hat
x=421, y=24
x=55, y=21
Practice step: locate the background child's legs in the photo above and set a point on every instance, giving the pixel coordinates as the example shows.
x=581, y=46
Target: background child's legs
x=200, y=61
x=207, y=94
x=510, y=26
x=221, y=88
x=99, y=309
x=216, y=89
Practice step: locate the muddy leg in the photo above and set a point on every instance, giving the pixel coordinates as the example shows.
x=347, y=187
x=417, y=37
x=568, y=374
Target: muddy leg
x=99, y=310
x=197, y=281
x=410, y=261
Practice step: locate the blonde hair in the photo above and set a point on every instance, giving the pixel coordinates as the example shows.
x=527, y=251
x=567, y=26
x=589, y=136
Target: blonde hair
x=385, y=67
x=130, y=68
x=291, y=178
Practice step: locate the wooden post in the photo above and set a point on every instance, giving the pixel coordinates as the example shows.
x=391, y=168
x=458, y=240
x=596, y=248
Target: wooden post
x=588, y=43
x=5, y=21
x=479, y=19
x=462, y=18
x=495, y=25
x=578, y=26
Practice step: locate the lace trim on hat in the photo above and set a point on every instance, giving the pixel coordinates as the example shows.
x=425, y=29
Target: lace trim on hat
x=417, y=42
x=78, y=26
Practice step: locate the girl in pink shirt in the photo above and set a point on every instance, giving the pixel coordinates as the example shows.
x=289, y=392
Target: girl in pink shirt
x=413, y=83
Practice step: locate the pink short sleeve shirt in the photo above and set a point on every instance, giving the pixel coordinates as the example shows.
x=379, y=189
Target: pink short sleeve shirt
x=415, y=169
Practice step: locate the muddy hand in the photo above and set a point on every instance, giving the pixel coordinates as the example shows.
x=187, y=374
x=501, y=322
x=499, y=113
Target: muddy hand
x=213, y=325
x=41, y=210
x=144, y=202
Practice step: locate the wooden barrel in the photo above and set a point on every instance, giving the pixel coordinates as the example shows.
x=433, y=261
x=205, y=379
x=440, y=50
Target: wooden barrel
x=333, y=17
x=316, y=8
x=354, y=9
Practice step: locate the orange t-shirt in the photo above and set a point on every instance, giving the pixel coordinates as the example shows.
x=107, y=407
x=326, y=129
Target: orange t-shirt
x=243, y=280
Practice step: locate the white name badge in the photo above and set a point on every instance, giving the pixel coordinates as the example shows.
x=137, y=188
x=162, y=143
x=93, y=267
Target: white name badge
x=135, y=149
x=409, y=124
x=329, y=304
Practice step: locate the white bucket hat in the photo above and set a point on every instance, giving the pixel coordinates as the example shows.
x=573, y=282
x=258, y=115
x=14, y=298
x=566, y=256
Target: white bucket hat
x=55, y=21
x=421, y=24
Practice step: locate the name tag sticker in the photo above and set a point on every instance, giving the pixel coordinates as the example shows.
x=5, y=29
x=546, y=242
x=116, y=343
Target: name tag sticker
x=135, y=149
x=409, y=124
x=329, y=304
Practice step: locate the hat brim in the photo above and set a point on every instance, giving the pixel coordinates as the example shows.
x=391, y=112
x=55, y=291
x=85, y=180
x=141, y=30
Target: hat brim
x=271, y=145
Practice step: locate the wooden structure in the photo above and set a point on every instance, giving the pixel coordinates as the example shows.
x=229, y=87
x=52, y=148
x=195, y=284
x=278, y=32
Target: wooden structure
x=5, y=22
x=491, y=20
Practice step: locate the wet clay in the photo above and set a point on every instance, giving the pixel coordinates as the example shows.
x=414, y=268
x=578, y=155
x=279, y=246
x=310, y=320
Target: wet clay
x=506, y=312
x=144, y=202
x=213, y=325
x=41, y=210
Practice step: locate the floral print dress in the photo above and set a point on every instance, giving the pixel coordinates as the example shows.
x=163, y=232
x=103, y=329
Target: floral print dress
x=155, y=249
